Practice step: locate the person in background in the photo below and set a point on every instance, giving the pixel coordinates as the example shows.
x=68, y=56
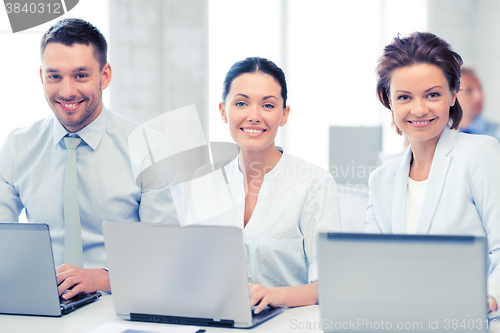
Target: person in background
x=470, y=97
x=72, y=170
x=447, y=182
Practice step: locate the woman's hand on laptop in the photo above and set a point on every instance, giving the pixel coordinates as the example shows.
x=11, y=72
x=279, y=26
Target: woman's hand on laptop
x=264, y=297
x=492, y=304
x=81, y=280
x=306, y=294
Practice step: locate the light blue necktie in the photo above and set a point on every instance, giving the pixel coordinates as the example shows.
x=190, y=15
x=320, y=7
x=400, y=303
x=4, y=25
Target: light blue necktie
x=72, y=229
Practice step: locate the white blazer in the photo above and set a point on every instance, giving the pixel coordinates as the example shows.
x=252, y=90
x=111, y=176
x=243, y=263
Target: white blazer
x=462, y=195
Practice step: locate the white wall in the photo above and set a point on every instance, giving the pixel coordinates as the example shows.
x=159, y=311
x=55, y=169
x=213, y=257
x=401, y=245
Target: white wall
x=160, y=57
x=472, y=28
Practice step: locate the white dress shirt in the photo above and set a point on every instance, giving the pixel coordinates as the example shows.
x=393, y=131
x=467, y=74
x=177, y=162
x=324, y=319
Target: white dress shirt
x=296, y=200
x=32, y=164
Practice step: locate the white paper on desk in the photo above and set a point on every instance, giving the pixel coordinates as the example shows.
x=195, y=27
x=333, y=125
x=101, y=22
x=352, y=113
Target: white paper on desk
x=112, y=327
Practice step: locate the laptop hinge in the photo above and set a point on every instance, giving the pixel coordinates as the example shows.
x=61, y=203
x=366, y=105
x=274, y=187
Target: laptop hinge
x=181, y=320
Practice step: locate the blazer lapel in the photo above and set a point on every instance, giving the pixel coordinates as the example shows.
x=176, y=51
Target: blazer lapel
x=436, y=180
x=398, y=184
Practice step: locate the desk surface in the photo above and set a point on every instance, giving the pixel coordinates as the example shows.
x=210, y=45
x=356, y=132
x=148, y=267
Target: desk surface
x=95, y=314
x=302, y=319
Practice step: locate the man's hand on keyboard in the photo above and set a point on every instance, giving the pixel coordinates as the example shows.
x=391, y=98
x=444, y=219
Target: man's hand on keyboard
x=79, y=280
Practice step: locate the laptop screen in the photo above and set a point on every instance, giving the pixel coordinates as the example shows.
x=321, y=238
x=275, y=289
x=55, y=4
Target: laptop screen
x=407, y=282
x=27, y=273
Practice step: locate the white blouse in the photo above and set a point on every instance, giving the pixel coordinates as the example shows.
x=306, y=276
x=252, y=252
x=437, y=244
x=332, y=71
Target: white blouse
x=414, y=198
x=296, y=200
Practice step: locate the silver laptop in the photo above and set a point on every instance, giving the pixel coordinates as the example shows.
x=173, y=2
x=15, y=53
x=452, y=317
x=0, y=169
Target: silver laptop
x=402, y=283
x=28, y=284
x=194, y=275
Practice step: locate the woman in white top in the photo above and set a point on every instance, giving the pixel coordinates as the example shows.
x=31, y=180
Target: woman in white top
x=284, y=200
x=447, y=182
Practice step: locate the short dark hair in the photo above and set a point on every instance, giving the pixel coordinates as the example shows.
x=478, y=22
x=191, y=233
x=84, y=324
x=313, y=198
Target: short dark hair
x=253, y=65
x=420, y=47
x=77, y=31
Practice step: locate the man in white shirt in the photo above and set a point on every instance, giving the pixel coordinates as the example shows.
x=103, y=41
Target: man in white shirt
x=36, y=163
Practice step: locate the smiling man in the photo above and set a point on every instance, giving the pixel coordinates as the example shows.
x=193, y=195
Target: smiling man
x=73, y=170
x=73, y=85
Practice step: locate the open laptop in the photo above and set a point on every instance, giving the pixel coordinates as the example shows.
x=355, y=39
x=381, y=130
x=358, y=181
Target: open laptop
x=193, y=275
x=402, y=283
x=28, y=284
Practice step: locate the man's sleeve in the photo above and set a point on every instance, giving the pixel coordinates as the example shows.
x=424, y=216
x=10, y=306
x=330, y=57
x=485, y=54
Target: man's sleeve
x=155, y=171
x=10, y=203
x=158, y=206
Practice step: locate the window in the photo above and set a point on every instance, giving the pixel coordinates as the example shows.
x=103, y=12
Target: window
x=328, y=50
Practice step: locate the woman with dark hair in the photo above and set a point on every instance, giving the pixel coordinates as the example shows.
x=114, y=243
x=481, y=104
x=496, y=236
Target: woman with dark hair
x=280, y=201
x=446, y=182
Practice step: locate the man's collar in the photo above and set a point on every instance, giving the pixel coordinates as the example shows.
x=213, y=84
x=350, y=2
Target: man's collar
x=92, y=134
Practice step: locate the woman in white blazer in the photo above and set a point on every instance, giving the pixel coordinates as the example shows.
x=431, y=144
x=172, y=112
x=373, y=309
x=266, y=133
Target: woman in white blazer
x=446, y=182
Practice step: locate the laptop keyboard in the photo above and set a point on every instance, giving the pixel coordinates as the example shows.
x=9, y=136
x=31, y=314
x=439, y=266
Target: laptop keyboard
x=73, y=299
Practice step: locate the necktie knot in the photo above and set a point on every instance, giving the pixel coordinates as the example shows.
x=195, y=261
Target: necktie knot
x=72, y=143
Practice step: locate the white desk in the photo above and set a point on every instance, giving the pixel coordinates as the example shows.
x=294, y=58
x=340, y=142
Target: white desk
x=94, y=315
x=303, y=319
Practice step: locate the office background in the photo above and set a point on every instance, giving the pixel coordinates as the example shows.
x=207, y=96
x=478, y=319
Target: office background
x=166, y=54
